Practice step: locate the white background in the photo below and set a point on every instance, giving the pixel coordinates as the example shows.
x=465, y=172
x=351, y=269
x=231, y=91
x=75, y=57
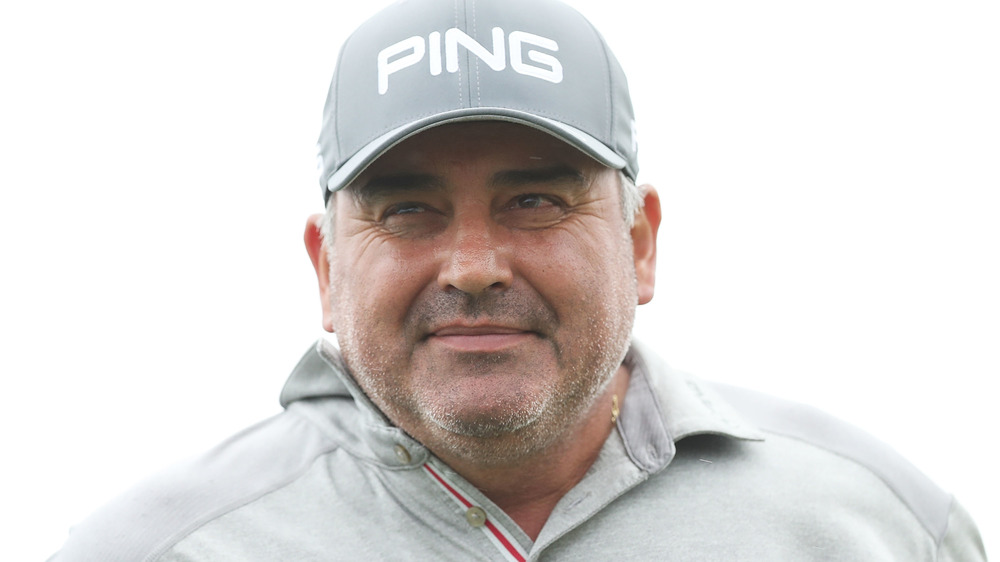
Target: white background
x=829, y=178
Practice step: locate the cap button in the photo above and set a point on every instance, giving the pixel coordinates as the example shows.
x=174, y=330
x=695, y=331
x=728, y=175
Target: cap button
x=402, y=454
x=475, y=516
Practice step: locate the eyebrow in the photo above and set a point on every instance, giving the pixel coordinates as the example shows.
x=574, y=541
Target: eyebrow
x=549, y=175
x=378, y=187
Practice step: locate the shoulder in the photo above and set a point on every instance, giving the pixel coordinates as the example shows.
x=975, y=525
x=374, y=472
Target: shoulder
x=800, y=469
x=813, y=428
x=800, y=443
x=157, y=513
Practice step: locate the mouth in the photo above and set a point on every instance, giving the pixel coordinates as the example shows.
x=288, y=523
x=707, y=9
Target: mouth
x=480, y=338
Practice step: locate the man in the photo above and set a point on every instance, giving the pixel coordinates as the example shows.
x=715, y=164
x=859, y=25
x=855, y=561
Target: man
x=481, y=257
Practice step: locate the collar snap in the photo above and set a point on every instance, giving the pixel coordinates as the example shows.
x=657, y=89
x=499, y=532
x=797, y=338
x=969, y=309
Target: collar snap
x=475, y=516
x=402, y=455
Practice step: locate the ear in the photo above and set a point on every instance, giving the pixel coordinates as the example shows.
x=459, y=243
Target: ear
x=647, y=223
x=321, y=263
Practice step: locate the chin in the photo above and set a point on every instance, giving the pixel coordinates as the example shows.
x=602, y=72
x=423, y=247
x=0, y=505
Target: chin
x=492, y=445
x=488, y=416
x=487, y=426
x=500, y=435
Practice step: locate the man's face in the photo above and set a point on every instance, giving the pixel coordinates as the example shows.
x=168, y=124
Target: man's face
x=483, y=286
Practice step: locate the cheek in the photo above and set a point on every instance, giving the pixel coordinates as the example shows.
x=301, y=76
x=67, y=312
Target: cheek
x=588, y=277
x=581, y=258
x=373, y=287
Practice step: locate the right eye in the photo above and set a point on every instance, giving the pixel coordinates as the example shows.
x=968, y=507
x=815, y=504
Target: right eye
x=410, y=219
x=407, y=208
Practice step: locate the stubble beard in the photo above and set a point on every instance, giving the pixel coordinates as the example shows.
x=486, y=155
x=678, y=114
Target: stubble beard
x=516, y=426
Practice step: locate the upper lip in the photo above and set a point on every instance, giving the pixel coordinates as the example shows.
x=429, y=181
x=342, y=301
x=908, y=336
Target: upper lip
x=459, y=329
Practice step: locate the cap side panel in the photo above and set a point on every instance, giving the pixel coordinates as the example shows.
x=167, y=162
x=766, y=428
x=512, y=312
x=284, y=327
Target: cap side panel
x=604, y=72
x=609, y=84
x=619, y=111
x=624, y=117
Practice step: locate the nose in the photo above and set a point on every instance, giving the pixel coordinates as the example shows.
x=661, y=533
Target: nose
x=476, y=261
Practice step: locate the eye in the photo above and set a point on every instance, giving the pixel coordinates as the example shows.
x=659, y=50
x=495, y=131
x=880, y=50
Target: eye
x=407, y=208
x=533, y=210
x=532, y=201
x=412, y=219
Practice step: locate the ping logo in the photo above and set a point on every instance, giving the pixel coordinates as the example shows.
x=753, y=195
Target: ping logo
x=411, y=51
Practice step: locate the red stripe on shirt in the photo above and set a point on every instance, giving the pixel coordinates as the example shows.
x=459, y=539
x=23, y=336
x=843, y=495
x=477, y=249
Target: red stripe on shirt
x=489, y=524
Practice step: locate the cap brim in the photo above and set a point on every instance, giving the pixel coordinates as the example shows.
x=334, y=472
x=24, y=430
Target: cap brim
x=357, y=163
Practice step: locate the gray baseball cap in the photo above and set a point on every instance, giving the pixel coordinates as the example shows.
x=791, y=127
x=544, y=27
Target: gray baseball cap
x=422, y=63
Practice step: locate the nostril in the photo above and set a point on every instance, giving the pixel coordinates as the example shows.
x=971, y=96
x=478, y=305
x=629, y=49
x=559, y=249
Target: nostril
x=476, y=272
x=476, y=260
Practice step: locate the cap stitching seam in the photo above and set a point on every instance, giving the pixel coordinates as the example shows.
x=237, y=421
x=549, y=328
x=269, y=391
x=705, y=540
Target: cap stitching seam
x=461, y=97
x=475, y=33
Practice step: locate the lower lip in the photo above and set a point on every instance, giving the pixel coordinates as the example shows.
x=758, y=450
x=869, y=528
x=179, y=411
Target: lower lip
x=482, y=343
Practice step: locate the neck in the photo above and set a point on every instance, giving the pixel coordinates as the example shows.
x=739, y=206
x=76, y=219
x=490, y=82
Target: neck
x=529, y=489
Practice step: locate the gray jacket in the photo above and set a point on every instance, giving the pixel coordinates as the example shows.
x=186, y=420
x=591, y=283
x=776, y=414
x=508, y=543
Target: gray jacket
x=695, y=471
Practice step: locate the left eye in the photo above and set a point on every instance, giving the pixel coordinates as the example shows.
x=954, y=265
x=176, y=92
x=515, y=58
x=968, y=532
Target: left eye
x=530, y=201
x=405, y=209
x=533, y=211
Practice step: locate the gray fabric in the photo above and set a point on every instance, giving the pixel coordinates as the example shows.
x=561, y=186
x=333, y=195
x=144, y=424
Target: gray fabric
x=644, y=429
x=158, y=513
x=311, y=378
x=929, y=504
x=961, y=540
x=687, y=476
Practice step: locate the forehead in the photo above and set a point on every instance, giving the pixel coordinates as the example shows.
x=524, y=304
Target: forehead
x=479, y=145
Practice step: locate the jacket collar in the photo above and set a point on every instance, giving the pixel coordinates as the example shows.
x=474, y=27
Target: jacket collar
x=664, y=406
